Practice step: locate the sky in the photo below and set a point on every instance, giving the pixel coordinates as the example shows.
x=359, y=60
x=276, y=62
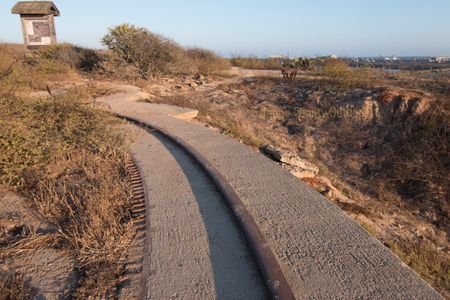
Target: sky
x=262, y=28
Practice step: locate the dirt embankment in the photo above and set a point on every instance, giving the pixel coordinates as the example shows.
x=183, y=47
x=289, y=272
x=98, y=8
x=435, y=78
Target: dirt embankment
x=379, y=152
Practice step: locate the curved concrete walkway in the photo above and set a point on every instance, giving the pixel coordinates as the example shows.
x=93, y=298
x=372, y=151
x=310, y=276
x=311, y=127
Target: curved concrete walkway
x=196, y=249
x=323, y=253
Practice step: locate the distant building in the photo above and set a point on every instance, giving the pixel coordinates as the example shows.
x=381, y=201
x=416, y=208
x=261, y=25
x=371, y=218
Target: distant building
x=278, y=56
x=392, y=58
x=442, y=59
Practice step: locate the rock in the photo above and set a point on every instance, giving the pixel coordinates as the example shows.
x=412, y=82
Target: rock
x=11, y=228
x=300, y=173
x=327, y=193
x=180, y=87
x=296, y=128
x=199, y=77
x=425, y=231
x=389, y=105
x=291, y=159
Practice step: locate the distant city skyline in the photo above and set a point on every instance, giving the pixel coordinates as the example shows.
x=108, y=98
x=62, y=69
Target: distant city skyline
x=349, y=28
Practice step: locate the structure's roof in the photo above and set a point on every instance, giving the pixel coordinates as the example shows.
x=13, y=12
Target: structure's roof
x=35, y=8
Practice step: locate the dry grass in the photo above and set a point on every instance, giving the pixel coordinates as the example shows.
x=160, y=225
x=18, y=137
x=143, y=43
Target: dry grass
x=417, y=167
x=63, y=157
x=229, y=123
x=432, y=265
x=69, y=162
x=255, y=63
x=30, y=71
x=13, y=286
x=207, y=62
x=344, y=78
x=77, y=58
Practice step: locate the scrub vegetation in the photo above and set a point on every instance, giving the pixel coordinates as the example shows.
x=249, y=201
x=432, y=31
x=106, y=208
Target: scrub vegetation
x=63, y=158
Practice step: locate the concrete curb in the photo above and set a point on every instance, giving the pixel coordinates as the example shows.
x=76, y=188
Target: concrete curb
x=265, y=258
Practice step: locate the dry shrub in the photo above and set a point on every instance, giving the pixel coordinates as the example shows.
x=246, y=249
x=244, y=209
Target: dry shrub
x=345, y=78
x=420, y=159
x=14, y=286
x=64, y=157
x=151, y=55
x=206, y=62
x=147, y=55
x=112, y=66
x=10, y=68
x=29, y=70
x=432, y=265
x=6, y=63
x=76, y=57
x=253, y=62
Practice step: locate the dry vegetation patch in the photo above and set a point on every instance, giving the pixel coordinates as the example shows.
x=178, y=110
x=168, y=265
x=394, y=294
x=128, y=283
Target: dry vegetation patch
x=68, y=162
x=255, y=63
x=14, y=286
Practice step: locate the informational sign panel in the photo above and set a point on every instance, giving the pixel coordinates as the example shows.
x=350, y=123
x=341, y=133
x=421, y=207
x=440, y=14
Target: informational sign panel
x=38, y=32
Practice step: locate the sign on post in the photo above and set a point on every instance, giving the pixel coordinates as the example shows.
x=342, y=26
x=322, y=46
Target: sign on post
x=38, y=22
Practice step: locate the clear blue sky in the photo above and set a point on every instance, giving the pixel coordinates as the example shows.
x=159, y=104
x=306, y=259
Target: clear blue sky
x=294, y=27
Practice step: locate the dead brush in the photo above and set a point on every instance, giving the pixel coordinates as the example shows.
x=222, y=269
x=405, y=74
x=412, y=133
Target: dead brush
x=5, y=72
x=255, y=63
x=66, y=159
x=206, y=61
x=343, y=78
x=290, y=71
x=14, y=286
x=432, y=265
x=251, y=96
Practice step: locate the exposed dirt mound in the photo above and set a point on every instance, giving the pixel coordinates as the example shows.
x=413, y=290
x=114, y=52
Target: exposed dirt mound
x=381, y=153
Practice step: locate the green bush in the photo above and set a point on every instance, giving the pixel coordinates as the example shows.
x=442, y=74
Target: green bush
x=150, y=54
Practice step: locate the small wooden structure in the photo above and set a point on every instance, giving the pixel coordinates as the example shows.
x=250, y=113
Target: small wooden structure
x=38, y=23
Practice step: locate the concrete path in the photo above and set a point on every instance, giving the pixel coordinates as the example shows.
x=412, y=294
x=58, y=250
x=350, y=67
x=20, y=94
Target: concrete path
x=323, y=253
x=196, y=249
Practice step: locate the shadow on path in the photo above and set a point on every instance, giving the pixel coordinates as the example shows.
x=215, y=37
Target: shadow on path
x=236, y=275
